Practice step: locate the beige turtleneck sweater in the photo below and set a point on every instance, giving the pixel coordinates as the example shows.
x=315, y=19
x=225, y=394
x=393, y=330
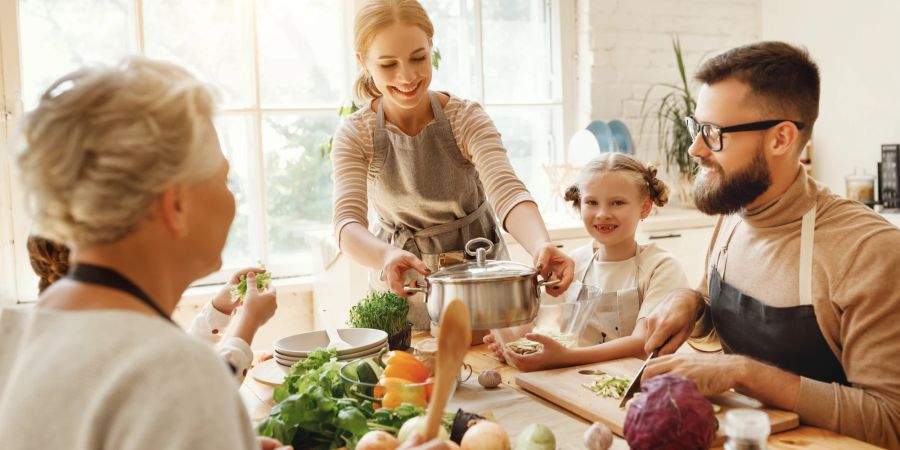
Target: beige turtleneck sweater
x=856, y=297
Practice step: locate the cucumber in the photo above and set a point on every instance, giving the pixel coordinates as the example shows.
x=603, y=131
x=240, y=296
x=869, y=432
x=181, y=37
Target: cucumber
x=365, y=373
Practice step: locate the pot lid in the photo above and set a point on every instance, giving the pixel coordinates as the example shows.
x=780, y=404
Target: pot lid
x=482, y=268
x=486, y=270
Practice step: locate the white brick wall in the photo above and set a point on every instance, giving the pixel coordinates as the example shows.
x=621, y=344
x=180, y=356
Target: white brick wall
x=625, y=47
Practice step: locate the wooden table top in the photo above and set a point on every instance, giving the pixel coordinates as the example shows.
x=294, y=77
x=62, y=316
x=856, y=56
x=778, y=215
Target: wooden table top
x=513, y=408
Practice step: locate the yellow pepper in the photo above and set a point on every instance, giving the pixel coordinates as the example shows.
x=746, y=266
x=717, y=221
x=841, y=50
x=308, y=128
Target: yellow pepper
x=393, y=391
x=404, y=365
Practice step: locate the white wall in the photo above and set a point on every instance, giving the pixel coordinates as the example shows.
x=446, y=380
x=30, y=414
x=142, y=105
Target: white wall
x=857, y=47
x=625, y=46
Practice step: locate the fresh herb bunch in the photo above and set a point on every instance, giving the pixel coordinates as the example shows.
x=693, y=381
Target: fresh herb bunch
x=262, y=280
x=313, y=411
x=382, y=310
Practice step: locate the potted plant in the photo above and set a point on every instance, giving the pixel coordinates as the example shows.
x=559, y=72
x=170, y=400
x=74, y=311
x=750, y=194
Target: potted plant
x=386, y=311
x=672, y=135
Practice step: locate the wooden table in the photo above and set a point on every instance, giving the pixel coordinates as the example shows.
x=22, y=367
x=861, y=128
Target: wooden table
x=514, y=409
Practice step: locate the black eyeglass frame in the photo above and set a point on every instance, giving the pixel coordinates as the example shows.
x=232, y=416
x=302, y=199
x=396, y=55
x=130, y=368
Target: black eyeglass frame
x=752, y=126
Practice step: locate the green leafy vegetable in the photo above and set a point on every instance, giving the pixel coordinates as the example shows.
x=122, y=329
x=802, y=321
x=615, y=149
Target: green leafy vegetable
x=262, y=280
x=313, y=410
x=381, y=310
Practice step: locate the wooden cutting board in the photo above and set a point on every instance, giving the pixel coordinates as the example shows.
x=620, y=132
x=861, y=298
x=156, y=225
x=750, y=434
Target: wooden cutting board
x=563, y=387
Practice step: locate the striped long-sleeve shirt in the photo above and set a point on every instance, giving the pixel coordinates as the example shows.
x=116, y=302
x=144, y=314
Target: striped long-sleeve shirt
x=478, y=141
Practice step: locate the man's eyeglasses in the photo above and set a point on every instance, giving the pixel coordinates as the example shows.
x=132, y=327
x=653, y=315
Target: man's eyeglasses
x=712, y=134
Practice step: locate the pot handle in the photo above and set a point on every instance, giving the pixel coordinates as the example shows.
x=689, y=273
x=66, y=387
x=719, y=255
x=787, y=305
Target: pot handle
x=549, y=282
x=413, y=290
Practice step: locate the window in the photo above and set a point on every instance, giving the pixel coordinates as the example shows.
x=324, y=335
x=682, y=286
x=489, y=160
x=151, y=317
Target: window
x=282, y=68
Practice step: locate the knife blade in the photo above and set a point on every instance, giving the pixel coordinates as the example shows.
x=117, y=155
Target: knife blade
x=636, y=381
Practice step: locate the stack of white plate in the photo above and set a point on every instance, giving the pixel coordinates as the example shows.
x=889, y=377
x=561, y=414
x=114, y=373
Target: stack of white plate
x=363, y=342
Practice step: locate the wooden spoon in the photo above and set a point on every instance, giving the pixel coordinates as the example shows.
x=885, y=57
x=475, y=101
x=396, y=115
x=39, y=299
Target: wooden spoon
x=454, y=339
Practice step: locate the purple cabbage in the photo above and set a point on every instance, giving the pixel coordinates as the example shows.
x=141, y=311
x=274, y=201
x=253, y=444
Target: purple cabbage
x=670, y=414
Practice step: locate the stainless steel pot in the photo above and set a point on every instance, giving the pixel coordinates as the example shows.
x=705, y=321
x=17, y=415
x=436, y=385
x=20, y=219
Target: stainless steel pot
x=499, y=294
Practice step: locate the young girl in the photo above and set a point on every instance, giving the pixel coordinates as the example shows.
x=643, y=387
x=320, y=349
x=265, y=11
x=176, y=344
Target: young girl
x=50, y=261
x=613, y=194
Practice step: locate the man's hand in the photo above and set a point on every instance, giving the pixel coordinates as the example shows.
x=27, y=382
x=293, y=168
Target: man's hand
x=671, y=323
x=712, y=373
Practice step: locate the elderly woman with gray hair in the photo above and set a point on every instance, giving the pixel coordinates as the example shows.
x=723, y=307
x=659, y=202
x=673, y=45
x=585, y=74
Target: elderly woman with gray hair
x=124, y=167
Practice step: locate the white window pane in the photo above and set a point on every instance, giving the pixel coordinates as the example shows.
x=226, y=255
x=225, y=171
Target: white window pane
x=454, y=37
x=302, y=53
x=297, y=182
x=518, y=54
x=236, y=137
x=57, y=37
x=530, y=136
x=212, y=38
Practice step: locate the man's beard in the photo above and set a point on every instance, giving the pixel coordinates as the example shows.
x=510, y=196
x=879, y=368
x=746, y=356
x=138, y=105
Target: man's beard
x=727, y=195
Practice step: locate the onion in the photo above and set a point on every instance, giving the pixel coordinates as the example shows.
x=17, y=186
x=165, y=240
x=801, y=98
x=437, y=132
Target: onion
x=415, y=426
x=485, y=435
x=377, y=440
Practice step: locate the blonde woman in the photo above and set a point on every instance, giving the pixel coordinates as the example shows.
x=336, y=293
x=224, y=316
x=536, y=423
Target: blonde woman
x=432, y=164
x=123, y=166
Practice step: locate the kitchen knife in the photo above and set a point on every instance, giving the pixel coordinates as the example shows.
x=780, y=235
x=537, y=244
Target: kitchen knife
x=635, y=382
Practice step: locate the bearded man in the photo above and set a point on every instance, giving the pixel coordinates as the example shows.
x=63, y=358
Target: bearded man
x=802, y=285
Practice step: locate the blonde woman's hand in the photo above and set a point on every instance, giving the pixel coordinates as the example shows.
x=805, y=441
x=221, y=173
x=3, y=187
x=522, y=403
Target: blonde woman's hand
x=223, y=301
x=396, y=263
x=553, y=263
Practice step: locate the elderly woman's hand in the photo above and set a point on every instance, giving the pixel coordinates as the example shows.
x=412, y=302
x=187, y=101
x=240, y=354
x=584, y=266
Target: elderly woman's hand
x=552, y=262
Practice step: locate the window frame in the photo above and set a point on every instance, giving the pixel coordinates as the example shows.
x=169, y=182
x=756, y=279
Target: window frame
x=17, y=282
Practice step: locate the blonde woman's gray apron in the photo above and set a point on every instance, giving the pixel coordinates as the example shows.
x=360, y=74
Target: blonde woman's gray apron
x=617, y=311
x=429, y=200
x=785, y=337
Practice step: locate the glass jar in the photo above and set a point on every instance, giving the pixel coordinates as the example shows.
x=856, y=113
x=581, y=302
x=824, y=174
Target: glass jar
x=747, y=429
x=861, y=186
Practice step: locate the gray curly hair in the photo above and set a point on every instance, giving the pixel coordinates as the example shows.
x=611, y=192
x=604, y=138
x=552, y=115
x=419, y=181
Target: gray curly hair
x=104, y=142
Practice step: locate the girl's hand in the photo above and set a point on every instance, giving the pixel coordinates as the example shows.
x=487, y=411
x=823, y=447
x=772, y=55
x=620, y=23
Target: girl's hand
x=396, y=263
x=551, y=356
x=259, y=306
x=223, y=301
x=494, y=347
x=267, y=443
x=552, y=262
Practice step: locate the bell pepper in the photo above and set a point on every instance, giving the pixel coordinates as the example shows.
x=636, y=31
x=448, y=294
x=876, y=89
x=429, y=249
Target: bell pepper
x=395, y=391
x=404, y=365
